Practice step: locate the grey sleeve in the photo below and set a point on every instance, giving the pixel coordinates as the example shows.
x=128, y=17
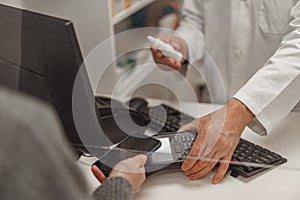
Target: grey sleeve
x=35, y=159
x=116, y=188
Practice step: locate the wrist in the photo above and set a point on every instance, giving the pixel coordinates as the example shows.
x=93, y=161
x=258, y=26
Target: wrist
x=120, y=182
x=244, y=111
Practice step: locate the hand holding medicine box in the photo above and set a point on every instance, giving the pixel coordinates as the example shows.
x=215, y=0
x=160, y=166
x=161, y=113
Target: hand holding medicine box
x=166, y=49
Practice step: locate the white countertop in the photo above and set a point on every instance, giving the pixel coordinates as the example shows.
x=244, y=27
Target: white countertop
x=279, y=183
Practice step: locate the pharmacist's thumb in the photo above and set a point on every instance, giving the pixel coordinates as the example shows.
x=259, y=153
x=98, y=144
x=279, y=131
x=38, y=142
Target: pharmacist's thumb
x=175, y=45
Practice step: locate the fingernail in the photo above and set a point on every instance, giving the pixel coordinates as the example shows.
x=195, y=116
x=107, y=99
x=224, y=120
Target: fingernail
x=216, y=181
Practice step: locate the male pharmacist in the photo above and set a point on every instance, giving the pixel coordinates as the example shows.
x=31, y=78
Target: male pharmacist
x=256, y=47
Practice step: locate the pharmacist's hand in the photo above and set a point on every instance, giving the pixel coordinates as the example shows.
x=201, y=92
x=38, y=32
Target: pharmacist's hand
x=169, y=63
x=218, y=136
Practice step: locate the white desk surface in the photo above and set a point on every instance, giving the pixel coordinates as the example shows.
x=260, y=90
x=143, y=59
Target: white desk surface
x=282, y=182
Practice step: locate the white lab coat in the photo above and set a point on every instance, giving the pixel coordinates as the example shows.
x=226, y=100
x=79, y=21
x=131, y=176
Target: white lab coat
x=256, y=46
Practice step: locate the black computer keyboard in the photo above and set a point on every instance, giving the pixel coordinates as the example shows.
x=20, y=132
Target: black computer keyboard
x=248, y=159
x=166, y=119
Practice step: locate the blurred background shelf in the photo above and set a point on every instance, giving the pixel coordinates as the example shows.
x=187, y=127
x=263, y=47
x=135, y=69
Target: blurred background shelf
x=132, y=71
x=136, y=6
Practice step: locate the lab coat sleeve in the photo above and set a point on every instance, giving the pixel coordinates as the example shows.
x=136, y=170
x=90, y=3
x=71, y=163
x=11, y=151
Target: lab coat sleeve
x=275, y=89
x=191, y=28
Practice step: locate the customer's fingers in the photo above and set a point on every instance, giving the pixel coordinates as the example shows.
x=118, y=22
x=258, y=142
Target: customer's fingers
x=98, y=174
x=140, y=160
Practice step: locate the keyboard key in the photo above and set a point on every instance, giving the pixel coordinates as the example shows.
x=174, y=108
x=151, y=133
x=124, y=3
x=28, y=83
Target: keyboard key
x=178, y=148
x=268, y=156
x=249, y=168
x=175, y=138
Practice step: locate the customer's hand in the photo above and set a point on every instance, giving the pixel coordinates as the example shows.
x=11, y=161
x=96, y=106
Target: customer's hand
x=98, y=174
x=218, y=136
x=178, y=44
x=131, y=169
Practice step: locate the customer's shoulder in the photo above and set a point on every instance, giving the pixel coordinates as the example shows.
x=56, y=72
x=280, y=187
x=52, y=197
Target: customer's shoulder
x=26, y=113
